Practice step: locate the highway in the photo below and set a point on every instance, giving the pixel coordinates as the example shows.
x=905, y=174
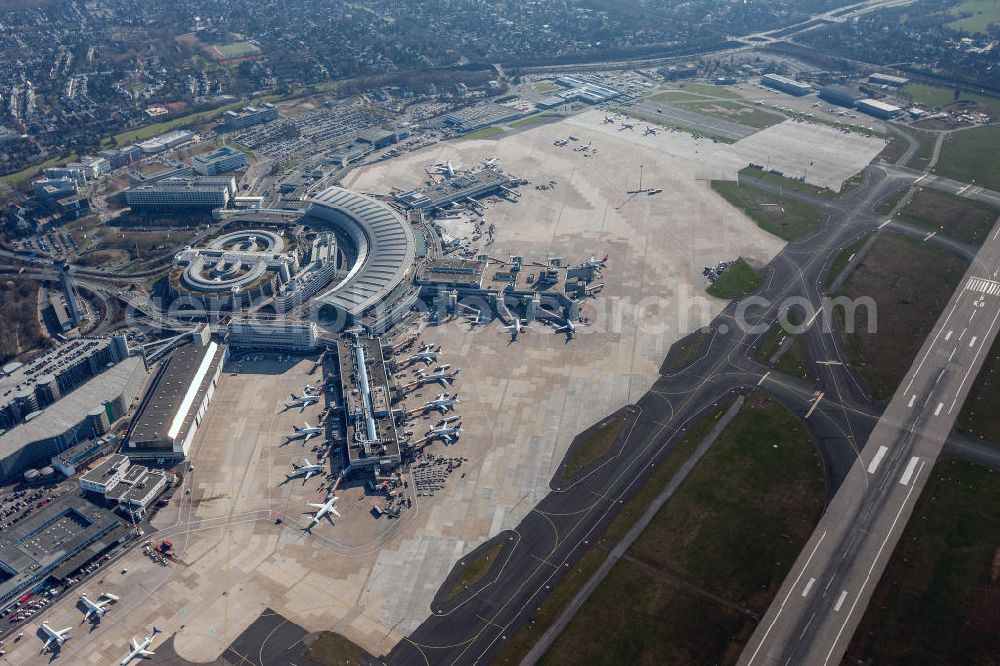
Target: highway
x=825, y=594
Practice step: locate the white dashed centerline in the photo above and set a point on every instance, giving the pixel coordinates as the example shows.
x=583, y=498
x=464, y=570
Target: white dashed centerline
x=805, y=591
x=937, y=410
x=840, y=601
x=877, y=458
x=908, y=472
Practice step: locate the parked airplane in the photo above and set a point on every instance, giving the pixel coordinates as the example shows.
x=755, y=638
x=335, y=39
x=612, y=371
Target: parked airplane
x=448, y=434
x=425, y=355
x=598, y=263
x=323, y=511
x=514, y=328
x=609, y=120
x=626, y=126
x=57, y=637
x=140, y=650
x=97, y=609
x=567, y=327
x=442, y=368
x=445, y=169
x=649, y=130
x=474, y=319
x=308, y=470
x=446, y=421
x=440, y=377
x=308, y=432
x=302, y=401
x=443, y=402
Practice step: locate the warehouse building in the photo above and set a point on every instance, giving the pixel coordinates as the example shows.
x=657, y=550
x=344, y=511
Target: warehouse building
x=85, y=413
x=888, y=80
x=133, y=488
x=481, y=115
x=165, y=141
x=840, y=95
x=874, y=107
x=55, y=541
x=785, y=84
x=219, y=161
x=176, y=402
x=177, y=193
x=675, y=72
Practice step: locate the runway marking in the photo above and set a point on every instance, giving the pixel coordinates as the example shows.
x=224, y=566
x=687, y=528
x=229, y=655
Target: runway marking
x=815, y=404
x=973, y=340
x=763, y=377
x=981, y=285
x=813, y=318
x=962, y=191
x=930, y=236
x=840, y=601
x=962, y=334
x=805, y=591
x=829, y=363
x=937, y=410
x=952, y=353
x=885, y=223
x=947, y=336
x=774, y=620
x=878, y=554
x=908, y=472
x=877, y=458
x=912, y=400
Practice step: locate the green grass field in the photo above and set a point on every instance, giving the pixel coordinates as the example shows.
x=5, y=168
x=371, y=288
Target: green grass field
x=736, y=112
x=972, y=155
x=545, y=87
x=737, y=280
x=952, y=215
x=709, y=90
x=782, y=216
x=732, y=529
x=787, y=183
x=597, y=443
x=938, y=600
x=484, y=133
x=330, y=649
x=976, y=15
x=979, y=415
x=941, y=96
x=536, y=119
x=236, y=49
x=475, y=570
x=675, y=96
x=909, y=283
x=792, y=362
x=842, y=259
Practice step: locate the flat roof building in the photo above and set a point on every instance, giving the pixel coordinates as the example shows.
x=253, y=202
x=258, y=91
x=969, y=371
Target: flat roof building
x=840, y=95
x=874, y=107
x=165, y=141
x=281, y=334
x=785, y=84
x=172, y=193
x=371, y=439
x=482, y=115
x=888, y=80
x=249, y=116
x=219, y=161
x=176, y=403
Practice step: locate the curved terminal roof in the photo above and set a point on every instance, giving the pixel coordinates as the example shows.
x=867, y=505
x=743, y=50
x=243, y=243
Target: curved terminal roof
x=385, y=247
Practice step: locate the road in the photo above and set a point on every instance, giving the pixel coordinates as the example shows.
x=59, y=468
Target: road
x=826, y=592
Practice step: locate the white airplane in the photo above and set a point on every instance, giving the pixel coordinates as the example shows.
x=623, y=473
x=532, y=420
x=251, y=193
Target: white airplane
x=598, y=263
x=609, y=120
x=308, y=469
x=446, y=421
x=491, y=162
x=323, y=511
x=442, y=368
x=57, y=637
x=97, y=609
x=139, y=649
x=448, y=434
x=302, y=401
x=443, y=402
x=425, y=355
x=514, y=328
x=626, y=126
x=567, y=327
x=649, y=130
x=308, y=432
x=439, y=377
x=445, y=169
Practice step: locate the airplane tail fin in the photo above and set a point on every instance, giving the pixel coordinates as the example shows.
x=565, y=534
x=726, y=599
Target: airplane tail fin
x=156, y=631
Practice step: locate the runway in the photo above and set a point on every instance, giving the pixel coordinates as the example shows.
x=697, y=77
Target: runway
x=827, y=590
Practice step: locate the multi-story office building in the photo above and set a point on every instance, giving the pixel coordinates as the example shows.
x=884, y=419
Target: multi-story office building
x=785, y=84
x=282, y=335
x=219, y=161
x=197, y=192
x=249, y=115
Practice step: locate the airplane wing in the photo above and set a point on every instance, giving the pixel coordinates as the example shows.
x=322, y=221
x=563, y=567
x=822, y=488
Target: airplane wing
x=318, y=506
x=134, y=644
x=335, y=512
x=146, y=653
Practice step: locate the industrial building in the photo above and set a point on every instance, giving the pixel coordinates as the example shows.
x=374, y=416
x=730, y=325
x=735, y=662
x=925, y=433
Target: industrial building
x=122, y=156
x=273, y=335
x=583, y=90
x=83, y=453
x=365, y=394
x=840, y=95
x=175, y=193
x=165, y=141
x=874, y=107
x=675, y=72
x=176, y=402
x=785, y=84
x=168, y=169
x=249, y=116
x=483, y=115
x=85, y=413
x=221, y=160
x=55, y=541
x=28, y=387
x=460, y=189
x=887, y=80
x=377, y=137
x=133, y=488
